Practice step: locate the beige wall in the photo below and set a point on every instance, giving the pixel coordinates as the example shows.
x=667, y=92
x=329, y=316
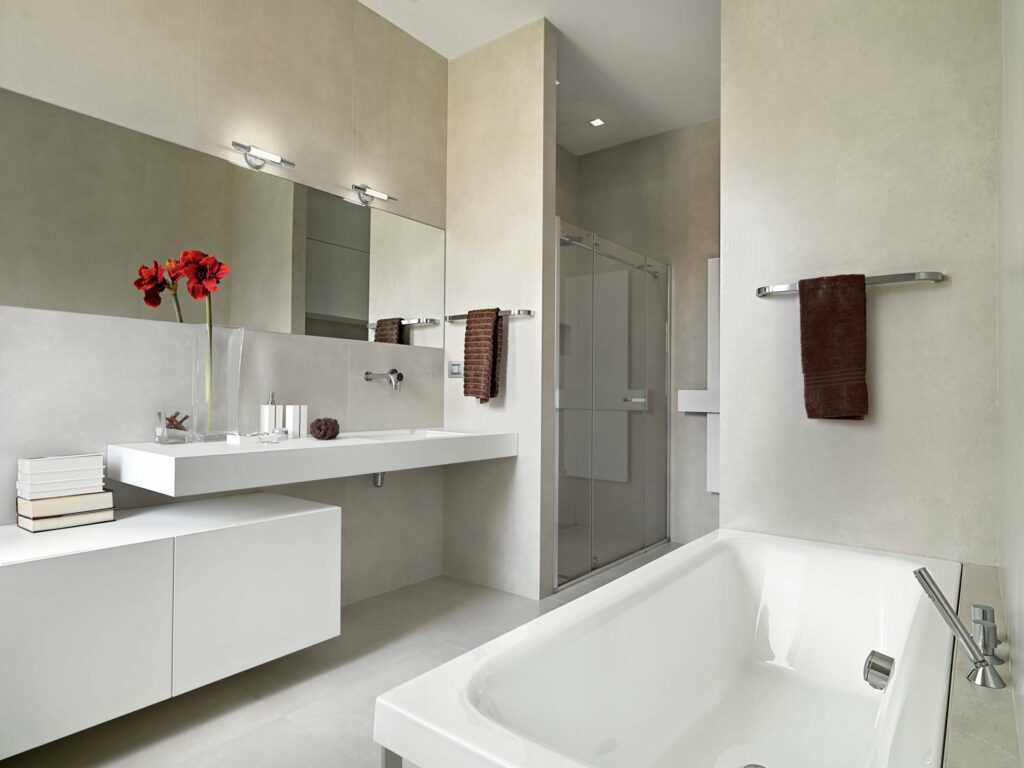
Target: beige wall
x=500, y=239
x=862, y=137
x=75, y=382
x=660, y=196
x=567, y=185
x=326, y=83
x=1011, y=338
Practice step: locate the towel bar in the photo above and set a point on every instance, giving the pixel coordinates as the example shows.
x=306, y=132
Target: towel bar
x=902, y=277
x=413, y=321
x=502, y=313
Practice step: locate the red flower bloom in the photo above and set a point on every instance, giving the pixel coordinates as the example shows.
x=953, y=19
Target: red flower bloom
x=202, y=271
x=174, y=272
x=151, y=282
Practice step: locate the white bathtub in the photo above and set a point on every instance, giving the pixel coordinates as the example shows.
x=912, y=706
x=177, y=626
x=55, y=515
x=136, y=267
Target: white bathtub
x=735, y=649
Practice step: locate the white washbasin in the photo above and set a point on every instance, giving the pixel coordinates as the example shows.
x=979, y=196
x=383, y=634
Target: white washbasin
x=193, y=468
x=403, y=434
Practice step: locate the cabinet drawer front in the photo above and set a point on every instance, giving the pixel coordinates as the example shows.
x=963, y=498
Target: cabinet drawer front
x=252, y=593
x=83, y=638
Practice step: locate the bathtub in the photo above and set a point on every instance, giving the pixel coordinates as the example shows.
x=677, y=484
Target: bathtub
x=737, y=649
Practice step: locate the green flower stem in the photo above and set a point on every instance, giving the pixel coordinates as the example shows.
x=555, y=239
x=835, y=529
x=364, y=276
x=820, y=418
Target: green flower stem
x=177, y=306
x=209, y=363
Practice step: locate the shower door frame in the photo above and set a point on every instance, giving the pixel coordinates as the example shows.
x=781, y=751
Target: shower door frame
x=558, y=432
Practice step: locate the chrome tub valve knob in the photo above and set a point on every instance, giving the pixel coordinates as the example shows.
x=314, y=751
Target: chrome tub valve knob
x=985, y=636
x=878, y=669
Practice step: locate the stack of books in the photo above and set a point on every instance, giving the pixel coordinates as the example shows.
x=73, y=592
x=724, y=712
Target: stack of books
x=62, y=492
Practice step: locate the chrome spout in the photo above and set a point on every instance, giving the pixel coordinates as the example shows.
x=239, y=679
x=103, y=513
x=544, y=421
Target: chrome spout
x=395, y=377
x=983, y=674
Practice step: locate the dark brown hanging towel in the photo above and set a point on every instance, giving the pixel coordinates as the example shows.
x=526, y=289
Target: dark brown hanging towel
x=389, y=331
x=834, y=346
x=485, y=333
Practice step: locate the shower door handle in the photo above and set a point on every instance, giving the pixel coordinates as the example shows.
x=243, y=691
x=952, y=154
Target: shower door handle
x=635, y=400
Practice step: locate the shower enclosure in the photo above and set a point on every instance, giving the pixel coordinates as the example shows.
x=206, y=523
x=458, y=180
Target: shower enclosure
x=611, y=401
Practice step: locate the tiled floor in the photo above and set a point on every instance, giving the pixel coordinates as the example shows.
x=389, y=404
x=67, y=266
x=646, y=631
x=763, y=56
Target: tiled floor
x=313, y=708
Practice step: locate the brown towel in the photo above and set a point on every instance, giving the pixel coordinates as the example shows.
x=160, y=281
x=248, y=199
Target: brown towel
x=834, y=346
x=485, y=332
x=389, y=331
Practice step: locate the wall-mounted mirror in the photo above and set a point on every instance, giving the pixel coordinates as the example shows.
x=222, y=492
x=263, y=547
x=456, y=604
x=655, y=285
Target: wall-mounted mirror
x=84, y=202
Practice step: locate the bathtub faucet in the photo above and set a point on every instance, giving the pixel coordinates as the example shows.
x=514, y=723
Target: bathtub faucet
x=983, y=674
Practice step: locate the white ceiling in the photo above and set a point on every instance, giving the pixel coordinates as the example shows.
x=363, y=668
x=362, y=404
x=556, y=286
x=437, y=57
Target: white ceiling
x=643, y=66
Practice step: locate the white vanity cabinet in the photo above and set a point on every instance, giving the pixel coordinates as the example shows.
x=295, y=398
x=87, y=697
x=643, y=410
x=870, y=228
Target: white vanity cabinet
x=98, y=621
x=249, y=594
x=83, y=638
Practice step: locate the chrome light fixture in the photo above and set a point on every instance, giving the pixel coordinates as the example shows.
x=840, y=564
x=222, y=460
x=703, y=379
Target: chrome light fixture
x=367, y=195
x=256, y=158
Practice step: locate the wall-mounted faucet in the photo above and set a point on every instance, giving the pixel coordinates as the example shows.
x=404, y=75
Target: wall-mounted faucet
x=983, y=674
x=395, y=377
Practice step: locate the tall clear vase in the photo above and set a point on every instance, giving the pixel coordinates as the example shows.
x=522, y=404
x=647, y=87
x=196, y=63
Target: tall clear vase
x=215, y=398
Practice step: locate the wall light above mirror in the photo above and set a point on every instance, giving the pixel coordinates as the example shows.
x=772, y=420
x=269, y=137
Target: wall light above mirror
x=83, y=202
x=367, y=194
x=257, y=158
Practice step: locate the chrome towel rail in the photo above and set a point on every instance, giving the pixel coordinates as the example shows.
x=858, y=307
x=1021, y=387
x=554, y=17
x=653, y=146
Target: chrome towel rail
x=902, y=277
x=502, y=313
x=412, y=321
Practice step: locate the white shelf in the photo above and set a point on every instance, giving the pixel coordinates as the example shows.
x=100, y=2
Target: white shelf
x=698, y=401
x=190, y=469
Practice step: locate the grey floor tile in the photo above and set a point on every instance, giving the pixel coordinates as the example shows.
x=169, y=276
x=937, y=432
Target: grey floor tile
x=344, y=720
x=158, y=736
x=277, y=744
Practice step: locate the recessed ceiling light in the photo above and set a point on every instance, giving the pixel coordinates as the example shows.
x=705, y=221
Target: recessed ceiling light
x=597, y=122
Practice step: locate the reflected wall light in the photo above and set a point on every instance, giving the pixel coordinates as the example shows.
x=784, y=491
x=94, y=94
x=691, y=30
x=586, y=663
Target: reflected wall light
x=256, y=158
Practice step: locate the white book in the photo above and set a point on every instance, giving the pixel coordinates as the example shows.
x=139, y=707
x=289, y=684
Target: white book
x=85, y=461
x=65, y=505
x=60, y=474
x=65, y=521
x=33, y=492
x=56, y=485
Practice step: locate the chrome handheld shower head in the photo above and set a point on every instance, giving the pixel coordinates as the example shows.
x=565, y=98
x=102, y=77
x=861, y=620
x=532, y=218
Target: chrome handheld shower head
x=983, y=674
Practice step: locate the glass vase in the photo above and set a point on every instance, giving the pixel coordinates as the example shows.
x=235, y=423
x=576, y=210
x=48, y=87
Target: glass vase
x=215, y=399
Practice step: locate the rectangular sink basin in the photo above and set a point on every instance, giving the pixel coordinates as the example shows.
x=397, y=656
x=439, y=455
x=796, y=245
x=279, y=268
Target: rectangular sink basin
x=403, y=434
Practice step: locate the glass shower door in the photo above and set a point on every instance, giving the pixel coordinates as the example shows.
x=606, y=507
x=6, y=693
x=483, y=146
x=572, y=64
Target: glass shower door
x=574, y=401
x=620, y=400
x=612, y=402
x=656, y=417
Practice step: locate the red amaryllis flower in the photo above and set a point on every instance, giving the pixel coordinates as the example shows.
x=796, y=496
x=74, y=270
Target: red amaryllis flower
x=174, y=273
x=151, y=282
x=203, y=273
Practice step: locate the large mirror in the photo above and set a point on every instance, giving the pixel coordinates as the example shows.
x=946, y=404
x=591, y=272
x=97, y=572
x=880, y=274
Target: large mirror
x=83, y=203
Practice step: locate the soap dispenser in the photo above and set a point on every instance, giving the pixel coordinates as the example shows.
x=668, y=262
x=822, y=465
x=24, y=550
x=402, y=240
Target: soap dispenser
x=271, y=416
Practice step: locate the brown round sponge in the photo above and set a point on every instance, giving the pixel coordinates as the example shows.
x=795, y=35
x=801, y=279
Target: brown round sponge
x=325, y=429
